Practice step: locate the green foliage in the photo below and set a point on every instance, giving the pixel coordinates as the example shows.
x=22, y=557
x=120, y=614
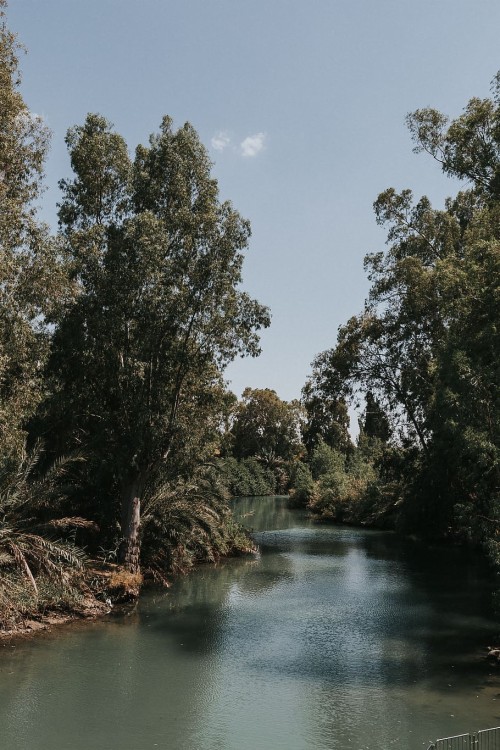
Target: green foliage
x=325, y=460
x=358, y=488
x=137, y=357
x=374, y=422
x=266, y=426
x=186, y=522
x=32, y=277
x=351, y=492
x=468, y=147
x=425, y=348
x=37, y=549
x=113, y=340
x=247, y=477
x=324, y=401
x=303, y=487
x=18, y=601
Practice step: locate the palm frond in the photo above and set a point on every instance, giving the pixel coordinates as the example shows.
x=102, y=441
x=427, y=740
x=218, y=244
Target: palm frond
x=20, y=559
x=71, y=522
x=26, y=543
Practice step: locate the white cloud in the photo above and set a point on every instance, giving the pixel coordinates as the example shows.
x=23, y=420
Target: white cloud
x=253, y=144
x=221, y=140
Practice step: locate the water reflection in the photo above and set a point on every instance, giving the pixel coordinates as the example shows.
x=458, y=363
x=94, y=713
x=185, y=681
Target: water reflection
x=328, y=638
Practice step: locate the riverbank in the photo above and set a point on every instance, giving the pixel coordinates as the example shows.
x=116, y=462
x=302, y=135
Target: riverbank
x=97, y=591
x=30, y=628
x=93, y=593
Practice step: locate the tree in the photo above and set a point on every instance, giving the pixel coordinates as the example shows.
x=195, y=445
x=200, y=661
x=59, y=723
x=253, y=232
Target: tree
x=326, y=460
x=374, y=423
x=426, y=344
x=31, y=274
x=138, y=355
x=303, y=486
x=467, y=147
x=390, y=348
x=465, y=412
x=266, y=426
x=324, y=401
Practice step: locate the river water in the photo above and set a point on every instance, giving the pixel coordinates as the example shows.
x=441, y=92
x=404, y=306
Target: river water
x=329, y=638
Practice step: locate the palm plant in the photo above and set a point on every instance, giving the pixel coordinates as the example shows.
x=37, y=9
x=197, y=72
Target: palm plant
x=34, y=541
x=277, y=464
x=185, y=522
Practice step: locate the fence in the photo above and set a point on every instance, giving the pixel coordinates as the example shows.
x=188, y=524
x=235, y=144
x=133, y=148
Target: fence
x=486, y=739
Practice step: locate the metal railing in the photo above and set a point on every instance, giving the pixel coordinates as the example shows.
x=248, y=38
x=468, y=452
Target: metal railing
x=486, y=739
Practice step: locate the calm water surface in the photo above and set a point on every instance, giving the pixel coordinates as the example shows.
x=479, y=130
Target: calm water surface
x=330, y=638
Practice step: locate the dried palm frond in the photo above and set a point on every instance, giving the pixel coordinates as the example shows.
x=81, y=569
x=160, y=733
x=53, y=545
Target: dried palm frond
x=71, y=522
x=26, y=543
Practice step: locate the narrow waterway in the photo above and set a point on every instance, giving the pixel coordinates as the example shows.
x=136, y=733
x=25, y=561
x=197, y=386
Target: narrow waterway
x=329, y=638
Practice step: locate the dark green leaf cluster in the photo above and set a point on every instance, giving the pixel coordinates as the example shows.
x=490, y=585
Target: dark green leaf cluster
x=265, y=426
x=247, y=477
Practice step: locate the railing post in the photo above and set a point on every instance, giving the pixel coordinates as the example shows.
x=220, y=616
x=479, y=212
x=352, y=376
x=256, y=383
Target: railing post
x=484, y=739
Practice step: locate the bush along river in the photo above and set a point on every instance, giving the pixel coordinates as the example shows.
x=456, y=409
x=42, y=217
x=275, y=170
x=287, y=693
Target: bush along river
x=329, y=638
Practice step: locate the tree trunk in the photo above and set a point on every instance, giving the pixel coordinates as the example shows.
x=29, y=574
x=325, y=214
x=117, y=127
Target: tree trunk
x=130, y=547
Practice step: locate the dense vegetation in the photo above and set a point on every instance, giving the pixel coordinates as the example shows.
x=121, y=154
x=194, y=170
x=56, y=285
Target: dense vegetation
x=120, y=442
x=113, y=338
x=422, y=356
x=425, y=351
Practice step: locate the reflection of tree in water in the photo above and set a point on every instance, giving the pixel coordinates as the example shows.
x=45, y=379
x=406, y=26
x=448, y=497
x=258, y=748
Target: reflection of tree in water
x=426, y=607
x=436, y=600
x=259, y=513
x=454, y=588
x=404, y=656
x=81, y=689
x=401, y=612
x=197, y=606
x=274, y=568
x=393, y=612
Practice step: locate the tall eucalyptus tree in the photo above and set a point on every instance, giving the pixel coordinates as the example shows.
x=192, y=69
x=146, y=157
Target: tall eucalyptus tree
x=157, y=259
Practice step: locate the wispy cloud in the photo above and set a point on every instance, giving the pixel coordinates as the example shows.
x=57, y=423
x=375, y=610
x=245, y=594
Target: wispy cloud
x=248, y=148
x=221, y=140
x=253, y=144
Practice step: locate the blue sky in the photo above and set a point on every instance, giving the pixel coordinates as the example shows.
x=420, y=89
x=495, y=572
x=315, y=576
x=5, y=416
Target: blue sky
x=301, y=106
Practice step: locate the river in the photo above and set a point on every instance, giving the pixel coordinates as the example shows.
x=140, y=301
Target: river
x=329, y=638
